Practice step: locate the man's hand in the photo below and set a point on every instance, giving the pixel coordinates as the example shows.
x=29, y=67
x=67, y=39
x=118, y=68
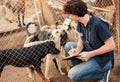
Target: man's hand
x=73, y=51
x=84, y=56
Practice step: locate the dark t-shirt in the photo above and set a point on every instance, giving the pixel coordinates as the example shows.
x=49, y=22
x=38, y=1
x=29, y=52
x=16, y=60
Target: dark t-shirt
x=94, y=35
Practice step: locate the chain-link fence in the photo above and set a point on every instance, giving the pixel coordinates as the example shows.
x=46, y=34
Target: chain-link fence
x=16, y=14
x=105, y=9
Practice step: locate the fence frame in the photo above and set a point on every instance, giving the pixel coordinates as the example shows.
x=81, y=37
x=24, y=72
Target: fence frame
x=117, y=15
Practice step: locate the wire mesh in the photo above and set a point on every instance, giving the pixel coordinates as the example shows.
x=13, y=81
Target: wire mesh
x=14, y=36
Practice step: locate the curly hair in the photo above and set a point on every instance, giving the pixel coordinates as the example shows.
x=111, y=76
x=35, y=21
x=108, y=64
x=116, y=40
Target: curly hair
x=76, y=7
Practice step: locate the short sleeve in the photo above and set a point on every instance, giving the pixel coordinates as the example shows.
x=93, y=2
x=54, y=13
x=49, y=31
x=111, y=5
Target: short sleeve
x=103, y=31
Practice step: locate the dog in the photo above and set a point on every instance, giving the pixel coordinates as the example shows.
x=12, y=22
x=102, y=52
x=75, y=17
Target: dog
x=17, y=7
x=27, y=56
x=4, y=14
x=69, y=27
x=72, y=36
x=39, y=35
x=59, y=36
x=62, y=36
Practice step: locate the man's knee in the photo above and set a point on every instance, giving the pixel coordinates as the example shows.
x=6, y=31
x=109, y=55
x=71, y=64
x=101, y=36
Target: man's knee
x=68, y=46
x=74, y=75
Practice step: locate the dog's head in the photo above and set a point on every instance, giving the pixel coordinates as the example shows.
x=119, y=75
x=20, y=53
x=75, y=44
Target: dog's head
x=69, y=25
x=59, y=36
x=70, y=28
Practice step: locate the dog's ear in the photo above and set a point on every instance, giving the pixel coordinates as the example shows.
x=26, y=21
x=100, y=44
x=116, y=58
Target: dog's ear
x=63, y=38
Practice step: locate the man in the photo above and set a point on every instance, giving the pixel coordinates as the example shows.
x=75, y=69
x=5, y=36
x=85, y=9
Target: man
x=94, y=47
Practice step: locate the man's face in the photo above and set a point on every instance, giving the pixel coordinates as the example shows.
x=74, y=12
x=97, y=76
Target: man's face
x=74, y=17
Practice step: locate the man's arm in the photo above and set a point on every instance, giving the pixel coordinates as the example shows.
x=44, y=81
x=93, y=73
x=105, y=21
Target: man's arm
x=79, y=45
x=107, y=47
x=78, y=49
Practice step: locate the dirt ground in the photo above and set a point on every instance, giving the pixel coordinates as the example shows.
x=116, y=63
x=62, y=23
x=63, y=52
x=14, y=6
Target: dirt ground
x=15, y=74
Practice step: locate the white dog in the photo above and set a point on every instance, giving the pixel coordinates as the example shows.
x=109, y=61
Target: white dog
x=62, y=36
